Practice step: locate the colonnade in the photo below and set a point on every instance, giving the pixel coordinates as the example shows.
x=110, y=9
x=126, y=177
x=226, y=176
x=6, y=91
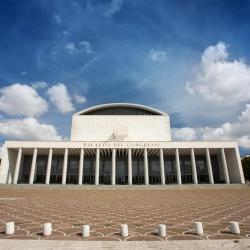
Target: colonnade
x=113, y=168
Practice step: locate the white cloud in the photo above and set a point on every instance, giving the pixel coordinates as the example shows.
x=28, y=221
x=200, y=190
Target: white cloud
x=238, y=130
x=21, y=99
x=113, y=7
x=60, y=98
x=28, y=129
x=157, y=55
x=220, y=80
x=57, y=18
x=245, y=114
x=183, y=134
x=80, y=47
x=39, y=85
x=85, y=47
x=80, y=99
x=71, y=47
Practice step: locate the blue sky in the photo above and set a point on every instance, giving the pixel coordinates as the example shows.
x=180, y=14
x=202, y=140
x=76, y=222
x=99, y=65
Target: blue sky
x=187, y=58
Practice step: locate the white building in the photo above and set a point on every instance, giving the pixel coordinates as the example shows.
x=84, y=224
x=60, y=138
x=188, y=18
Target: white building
x=120, y=143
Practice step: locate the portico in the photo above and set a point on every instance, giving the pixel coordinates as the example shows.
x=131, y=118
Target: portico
x=118, y=160
x=118, y=164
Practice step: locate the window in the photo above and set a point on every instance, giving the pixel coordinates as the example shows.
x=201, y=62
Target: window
x=120, y=111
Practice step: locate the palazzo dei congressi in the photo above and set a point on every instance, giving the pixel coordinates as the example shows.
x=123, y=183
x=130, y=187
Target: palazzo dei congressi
x=120, y=143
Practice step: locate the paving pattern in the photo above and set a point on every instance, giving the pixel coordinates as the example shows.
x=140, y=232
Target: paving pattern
x=142, y=210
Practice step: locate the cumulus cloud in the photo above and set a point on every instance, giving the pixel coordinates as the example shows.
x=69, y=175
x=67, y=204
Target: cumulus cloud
x=183, y=134
x=113, y=7
x=59, y=96
x=80, y=47
x=28, y=129
x=238, y=130
x=220, y=80
x=21, y=99
x=71, y=47
x=157, y=55
x=80, y=99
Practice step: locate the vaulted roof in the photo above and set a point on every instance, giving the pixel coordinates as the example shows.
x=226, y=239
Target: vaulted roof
x=120, y=109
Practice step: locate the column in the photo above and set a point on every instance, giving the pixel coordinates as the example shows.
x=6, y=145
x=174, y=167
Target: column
x=113, y=166
x=224, y=165
x=242, y=179
x=209, y=167
x=146, y=179
x=194, y=172
x=162, y=170
x=33, y=166
x=97, y=166
x=80, y=173
x=48, y=171
x=130, y=182
x=17, y=167
x=65, y=166
x=178, y=168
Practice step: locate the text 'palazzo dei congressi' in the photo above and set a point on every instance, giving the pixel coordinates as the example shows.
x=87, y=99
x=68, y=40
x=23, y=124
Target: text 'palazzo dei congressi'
x=120, y=143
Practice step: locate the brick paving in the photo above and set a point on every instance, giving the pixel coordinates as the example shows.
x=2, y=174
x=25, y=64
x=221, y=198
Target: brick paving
x=142, y=210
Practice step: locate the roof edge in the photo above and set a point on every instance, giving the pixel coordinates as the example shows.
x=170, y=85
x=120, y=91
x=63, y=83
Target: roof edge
x=107, y=105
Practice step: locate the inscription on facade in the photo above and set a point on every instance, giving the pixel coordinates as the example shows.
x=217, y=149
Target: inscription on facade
x=121, y=144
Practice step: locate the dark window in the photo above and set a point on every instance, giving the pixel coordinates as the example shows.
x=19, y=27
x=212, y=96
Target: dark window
x=154, y=169
x=41, y=167
x=89, y=170
x=201, y=168
x=138, y=170
x=215, y=167
x=73, y=169
x=186, y=169
x=120, y=111
x=25, y=173
x=56, y=169
x=121, y=170
x=105, y=170
x=170, y=169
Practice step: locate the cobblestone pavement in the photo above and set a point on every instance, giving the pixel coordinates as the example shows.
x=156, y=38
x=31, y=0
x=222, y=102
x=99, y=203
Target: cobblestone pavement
x=142, y=210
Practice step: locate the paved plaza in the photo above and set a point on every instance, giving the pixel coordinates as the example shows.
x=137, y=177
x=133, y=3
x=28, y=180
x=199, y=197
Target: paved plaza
x=142, y=209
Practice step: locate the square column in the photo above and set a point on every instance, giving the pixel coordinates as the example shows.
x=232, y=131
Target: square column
x=162, y=170
x=113, y=166
x=33, y=166
x=178, y=168
x=242, y=178
x=48, y=171
x=80, y=173
x=146, y=179
x=224, y=165
x=130, y=182
x=97, y=166
x=17, y=167
x=194, y=171
x=209, y=167
x=65, y=166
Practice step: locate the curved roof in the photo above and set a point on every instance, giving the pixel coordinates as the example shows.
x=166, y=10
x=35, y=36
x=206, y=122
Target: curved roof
x=120, y=105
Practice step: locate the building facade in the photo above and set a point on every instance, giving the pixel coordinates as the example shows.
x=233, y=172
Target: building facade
x=120, y=144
